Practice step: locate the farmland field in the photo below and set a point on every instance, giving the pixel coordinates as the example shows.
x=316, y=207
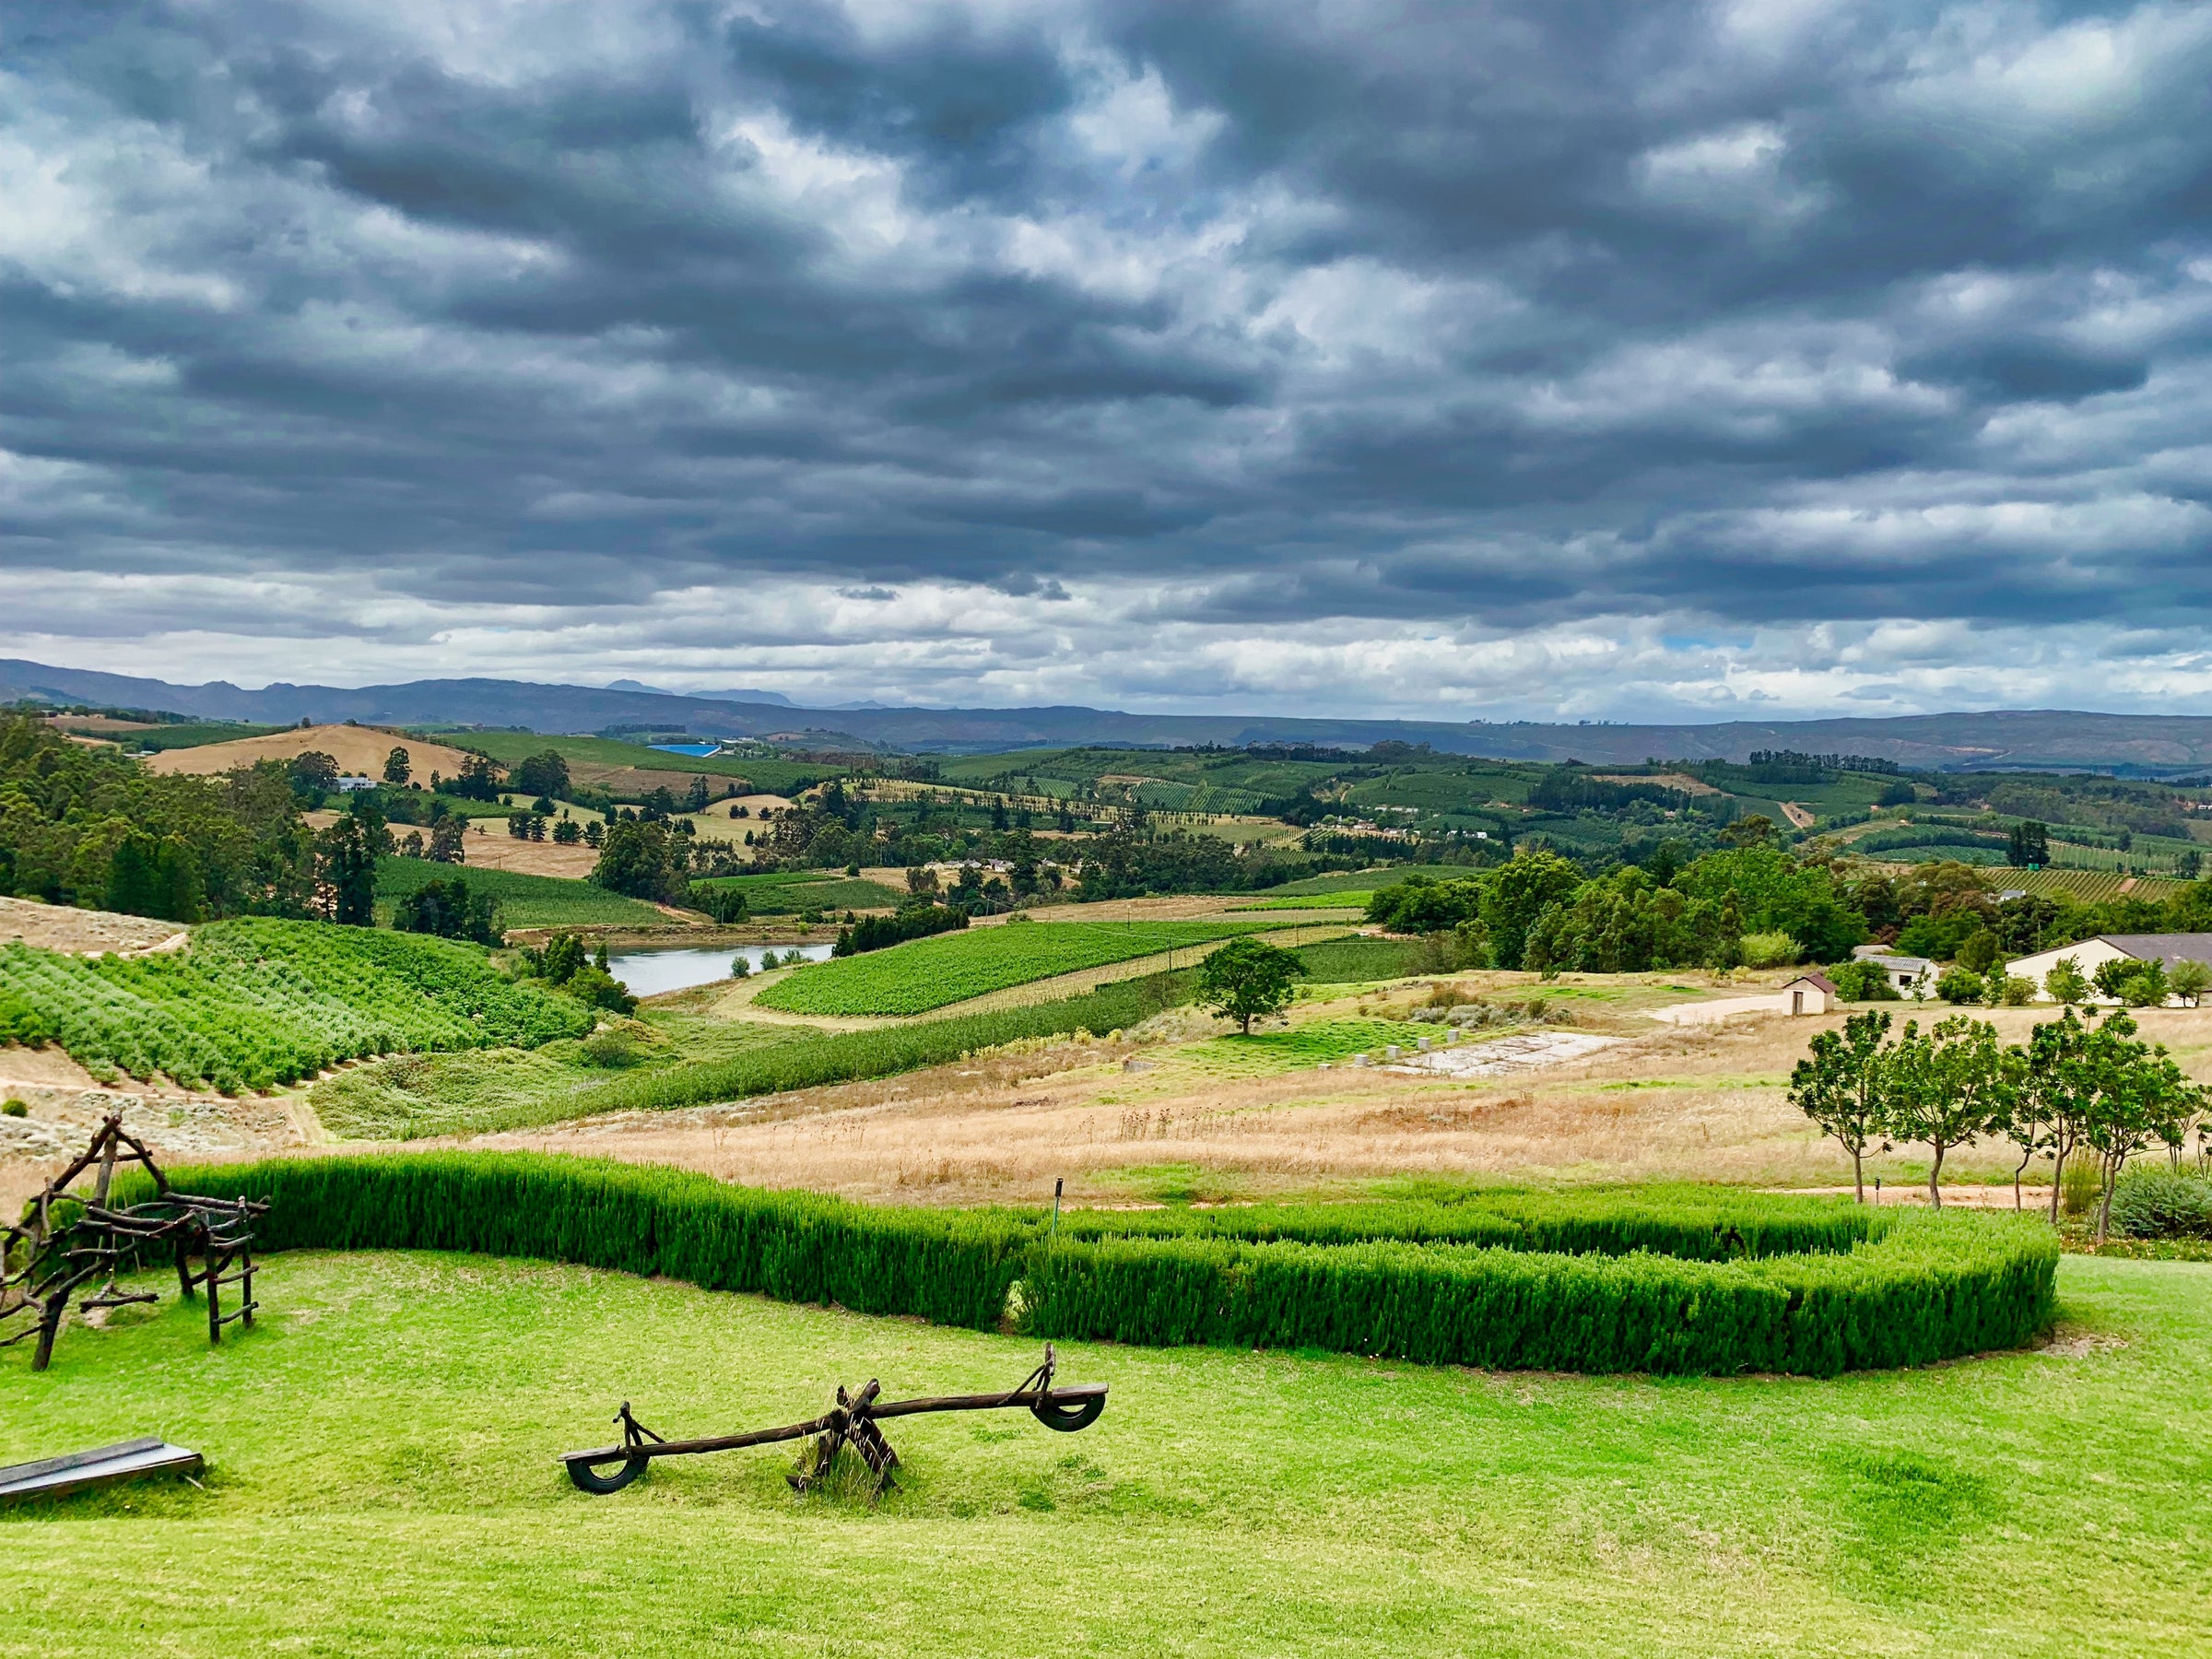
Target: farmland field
x=935, y=972
x=252, y=1003
x=1345, y=961
x=1228, y=1503
x=524, y=900
x=599, y=755
x=787, y=893
x=2091, y=887
x=1355, y=899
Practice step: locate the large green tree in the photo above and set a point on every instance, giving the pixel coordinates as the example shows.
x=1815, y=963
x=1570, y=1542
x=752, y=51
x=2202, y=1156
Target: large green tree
x=1246, y=979
x=643, y=860
x=1516, y=894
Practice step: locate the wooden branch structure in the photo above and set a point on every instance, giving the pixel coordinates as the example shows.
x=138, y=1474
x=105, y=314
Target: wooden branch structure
x=67, y=1240
x=851, y=1422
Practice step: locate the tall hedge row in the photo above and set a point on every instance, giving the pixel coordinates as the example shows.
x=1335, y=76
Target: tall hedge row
x=1873, y=1290
x=1701, y=1229
x=1930, y=1288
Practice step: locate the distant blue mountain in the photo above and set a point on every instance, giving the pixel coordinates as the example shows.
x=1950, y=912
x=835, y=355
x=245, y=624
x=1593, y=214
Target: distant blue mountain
x=776, y=697
x=2140, y=745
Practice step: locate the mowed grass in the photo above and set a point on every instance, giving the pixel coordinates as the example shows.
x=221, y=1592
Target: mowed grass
x=524, y=900
x=935, y=972
x=381, y=1481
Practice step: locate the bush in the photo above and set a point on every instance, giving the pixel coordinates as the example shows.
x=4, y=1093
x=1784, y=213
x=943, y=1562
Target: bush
x=1861, y=981
x=1961, y=985
x=1887, y=1289
x=2151, y=1202
x=1769, y=950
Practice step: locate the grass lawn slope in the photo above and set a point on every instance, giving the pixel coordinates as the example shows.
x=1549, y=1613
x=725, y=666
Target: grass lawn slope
x=381, y=1482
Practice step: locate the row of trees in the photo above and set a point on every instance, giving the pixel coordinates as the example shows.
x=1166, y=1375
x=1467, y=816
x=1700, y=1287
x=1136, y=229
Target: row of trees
x=1538, y=911
x=2073, y=1089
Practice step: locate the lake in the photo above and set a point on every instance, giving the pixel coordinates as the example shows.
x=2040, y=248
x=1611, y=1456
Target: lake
x=650, y=973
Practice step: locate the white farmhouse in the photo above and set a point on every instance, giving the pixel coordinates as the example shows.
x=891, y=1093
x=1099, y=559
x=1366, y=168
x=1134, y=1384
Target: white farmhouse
x=1910, y=976
x=2092, y=954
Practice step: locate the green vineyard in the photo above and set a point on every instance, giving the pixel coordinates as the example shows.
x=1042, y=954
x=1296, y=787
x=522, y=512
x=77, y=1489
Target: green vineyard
x=2090, y=887
x=254, y=1004
x=951, y=968
x=524, y=900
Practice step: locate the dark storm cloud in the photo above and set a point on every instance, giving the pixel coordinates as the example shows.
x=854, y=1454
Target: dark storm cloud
x=1512, y=315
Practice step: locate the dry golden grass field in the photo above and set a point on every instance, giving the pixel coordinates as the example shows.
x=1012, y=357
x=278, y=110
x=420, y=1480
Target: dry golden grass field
x=360, y=750
x=1183, y=1109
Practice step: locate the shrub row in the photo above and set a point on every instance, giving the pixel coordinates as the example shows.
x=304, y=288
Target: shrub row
x=1922, y=1287
x=1601, y=1223
x=1932, y=1287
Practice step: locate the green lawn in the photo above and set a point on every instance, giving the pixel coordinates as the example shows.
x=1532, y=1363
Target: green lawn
x=381, y=1481
x=524, y=900
x=936, y=972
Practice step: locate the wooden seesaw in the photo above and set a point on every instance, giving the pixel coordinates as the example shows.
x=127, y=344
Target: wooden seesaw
x=851, y=1421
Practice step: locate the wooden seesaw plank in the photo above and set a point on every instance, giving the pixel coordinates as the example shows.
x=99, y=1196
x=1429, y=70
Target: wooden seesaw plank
x=125, y=1460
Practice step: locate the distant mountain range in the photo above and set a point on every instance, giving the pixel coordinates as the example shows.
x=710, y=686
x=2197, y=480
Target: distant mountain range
x=2143, y=745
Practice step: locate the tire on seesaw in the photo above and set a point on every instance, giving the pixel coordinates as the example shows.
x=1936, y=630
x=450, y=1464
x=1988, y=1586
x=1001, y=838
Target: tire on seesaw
x=587, y=1477
x=1066, y=1419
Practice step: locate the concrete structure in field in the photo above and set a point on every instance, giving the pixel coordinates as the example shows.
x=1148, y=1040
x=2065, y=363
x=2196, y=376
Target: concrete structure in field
x=1908, y=974
x=2092, y=954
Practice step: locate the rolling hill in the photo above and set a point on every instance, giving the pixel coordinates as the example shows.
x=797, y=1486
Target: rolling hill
x=2142, y=744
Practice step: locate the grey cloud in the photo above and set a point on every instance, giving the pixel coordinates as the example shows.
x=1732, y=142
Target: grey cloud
x=1509, y=317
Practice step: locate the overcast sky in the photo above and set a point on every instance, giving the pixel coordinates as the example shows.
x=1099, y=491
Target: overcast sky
x=1608, y=360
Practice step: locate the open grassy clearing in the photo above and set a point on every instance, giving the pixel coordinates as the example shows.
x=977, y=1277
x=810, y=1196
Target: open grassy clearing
x=930, y=973
x=404, y=1408
x=524, y=900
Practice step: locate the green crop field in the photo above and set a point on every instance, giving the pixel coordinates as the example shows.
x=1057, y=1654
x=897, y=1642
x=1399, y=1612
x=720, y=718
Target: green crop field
x=787, y=893
x=252, y=1004
x=767, y=773
x=2091, y=887
x=1347, y=901
x=381, y=1482
x=932, y=973
x=1366, y=881
x=524, y=900
x=1349, y=961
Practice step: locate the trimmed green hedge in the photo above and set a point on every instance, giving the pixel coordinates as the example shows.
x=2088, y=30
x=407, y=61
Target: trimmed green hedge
x=1604, y=1223
x=1871, y=1289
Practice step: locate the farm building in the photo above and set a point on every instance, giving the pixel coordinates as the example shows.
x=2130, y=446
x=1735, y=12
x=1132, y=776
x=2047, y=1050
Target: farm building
x=2092, y=954
x=1811, y=994
x=1906, y=972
